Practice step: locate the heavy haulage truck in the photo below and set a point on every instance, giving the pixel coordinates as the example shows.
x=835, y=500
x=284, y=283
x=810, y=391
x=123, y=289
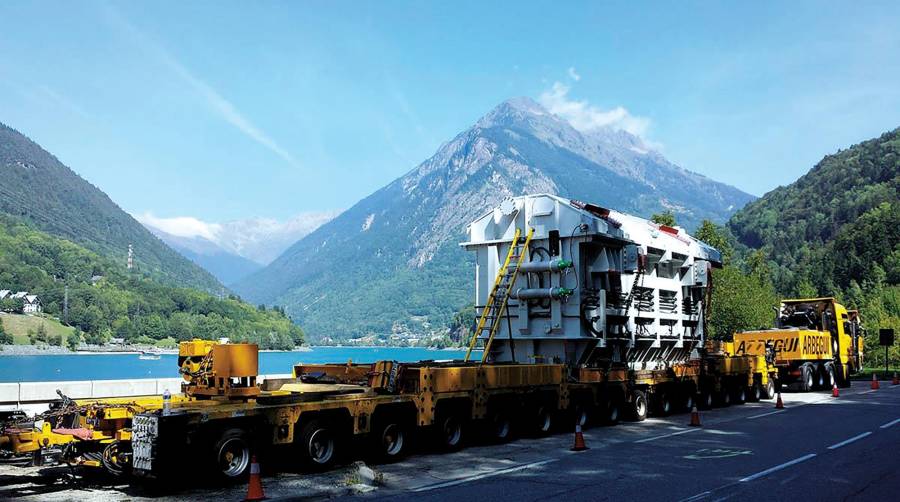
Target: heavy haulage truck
x=817, y=343
x=585, y=315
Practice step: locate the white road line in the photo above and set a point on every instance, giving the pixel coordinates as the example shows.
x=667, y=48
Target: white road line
x=766, y=414
x=770, y=470
x=482, y=476
x=892, y=422
x=868, y=391
x=848, y=441
x=696, y=497
x=654, y=438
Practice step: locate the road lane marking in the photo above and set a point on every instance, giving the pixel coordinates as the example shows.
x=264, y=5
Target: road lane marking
x=482, y=476
x=867, y=391
x=892, y=422
x=770, y=470
x=848, y=441
x=766, y=414
x=654, y=438
x=696, y=497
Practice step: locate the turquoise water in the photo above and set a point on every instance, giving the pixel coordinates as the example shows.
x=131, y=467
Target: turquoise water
x=49, y=368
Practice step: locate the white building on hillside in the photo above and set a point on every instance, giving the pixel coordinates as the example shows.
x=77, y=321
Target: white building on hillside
x=31, y=304
x=4, y=293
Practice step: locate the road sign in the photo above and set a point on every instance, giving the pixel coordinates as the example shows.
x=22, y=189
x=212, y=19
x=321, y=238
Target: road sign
x=886, y=337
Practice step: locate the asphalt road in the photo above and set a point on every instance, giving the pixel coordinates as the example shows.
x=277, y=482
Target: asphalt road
x=818, y=448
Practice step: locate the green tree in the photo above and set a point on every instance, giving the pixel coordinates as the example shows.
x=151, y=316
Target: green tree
x=73, y=340
x=666, y=218
x=5, y=338
x=717, y=237
x=739, y=302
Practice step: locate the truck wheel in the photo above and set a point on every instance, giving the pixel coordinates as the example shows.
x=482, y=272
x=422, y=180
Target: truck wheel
x=318, y=445
x=389, y=439
x=117, y=458
x=688, y=402
x=820, y=373
x=740, y=395
x=638, y=406
x=770, y=389
x=450, y=432
x=830, y=376
x=582, y=414
x=232, y=454
x=724, y=397
x=755, y=392
x=806, y=378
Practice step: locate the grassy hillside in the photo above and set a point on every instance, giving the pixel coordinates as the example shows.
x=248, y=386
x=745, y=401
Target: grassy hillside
x=19, y=326
x=836, y=232
x=39, y=189
x=124, y=304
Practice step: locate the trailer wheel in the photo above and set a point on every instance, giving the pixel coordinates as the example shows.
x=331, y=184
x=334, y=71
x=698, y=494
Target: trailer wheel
x=582, y=414
x=544, y=419
x=501, y=426
x=389, y=439
x=318, y=444
x=611, y=415
x=664, y=405
x=450, y=432
x=232, y=454
x=688, y=402
x=638, y=409
x=724, y=397
x=770, y=389
x=706, y=400
x=820, y=372
x=807, y=379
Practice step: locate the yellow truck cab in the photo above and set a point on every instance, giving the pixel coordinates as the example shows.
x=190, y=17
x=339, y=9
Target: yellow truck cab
x=816, y=343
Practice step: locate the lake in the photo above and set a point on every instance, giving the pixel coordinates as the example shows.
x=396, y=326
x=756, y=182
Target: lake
x=49, y=368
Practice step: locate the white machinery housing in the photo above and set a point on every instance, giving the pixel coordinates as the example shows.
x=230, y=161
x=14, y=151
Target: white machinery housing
x=635, y=292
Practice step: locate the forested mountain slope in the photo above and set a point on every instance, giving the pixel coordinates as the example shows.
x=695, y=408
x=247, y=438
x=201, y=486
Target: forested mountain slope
x=836, y=225
x=37, y=187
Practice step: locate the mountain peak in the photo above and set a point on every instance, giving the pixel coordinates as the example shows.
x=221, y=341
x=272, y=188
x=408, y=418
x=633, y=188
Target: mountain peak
x=519, y=111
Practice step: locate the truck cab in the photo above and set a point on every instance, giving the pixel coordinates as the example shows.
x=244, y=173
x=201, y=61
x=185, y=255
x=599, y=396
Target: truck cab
x=816, y=343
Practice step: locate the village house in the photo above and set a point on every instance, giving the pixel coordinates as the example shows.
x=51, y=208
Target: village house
x=31, y=304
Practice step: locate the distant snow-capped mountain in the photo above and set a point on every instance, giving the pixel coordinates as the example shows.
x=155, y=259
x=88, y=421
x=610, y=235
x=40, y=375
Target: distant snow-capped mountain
x=234, y=249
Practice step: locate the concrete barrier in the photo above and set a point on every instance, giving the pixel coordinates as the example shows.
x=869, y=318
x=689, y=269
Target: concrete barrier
x=16, y=394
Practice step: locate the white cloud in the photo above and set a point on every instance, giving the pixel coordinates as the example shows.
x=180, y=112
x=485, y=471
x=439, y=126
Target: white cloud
x=181, y=226
x=573, y=74
x=586, y=117
x=219, y=104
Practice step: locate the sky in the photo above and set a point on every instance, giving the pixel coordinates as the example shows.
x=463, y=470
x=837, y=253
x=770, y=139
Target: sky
x=229, y=110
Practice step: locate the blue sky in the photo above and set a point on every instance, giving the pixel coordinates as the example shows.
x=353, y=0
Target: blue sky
x=225, y=110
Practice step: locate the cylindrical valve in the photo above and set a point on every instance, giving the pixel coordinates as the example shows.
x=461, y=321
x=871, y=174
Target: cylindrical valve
x=554, y=265
x=543, y=293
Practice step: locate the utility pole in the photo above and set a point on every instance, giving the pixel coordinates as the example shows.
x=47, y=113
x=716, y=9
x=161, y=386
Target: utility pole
x=130, y=257
x=66, y=305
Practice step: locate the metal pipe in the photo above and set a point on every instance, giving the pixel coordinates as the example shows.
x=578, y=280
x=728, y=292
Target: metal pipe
x=542, y=293
x=554, y=265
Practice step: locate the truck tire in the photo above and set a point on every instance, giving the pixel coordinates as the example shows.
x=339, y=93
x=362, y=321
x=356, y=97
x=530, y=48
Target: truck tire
x=389, y=439
x=688, y=402
x=231, y=453
x=664, y=404
x=830, y=376
x=638, y=407
x=807, y=377
x=318, y=445
x=770, y=389
x=820, y=376
x=740, y=395
x=450, y=432
x=611, y=413
x=544, y=419
x=500, y=426
x=706, y=400
x=755, y=393
x=724, y=396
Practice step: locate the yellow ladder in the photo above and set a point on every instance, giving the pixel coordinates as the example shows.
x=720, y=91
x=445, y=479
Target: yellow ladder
x=499, y=297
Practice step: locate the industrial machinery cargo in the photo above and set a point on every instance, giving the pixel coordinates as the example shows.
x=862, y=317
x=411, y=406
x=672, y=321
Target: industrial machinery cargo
x=586, y=315
x=817, y=343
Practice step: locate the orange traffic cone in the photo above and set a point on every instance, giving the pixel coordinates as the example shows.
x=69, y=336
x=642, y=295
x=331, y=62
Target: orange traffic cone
x=875, y=385
x=579, y=440
x=778, y=402
x=255, y=489
x=896, y=380
x=834, y=391
x=695, y=417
